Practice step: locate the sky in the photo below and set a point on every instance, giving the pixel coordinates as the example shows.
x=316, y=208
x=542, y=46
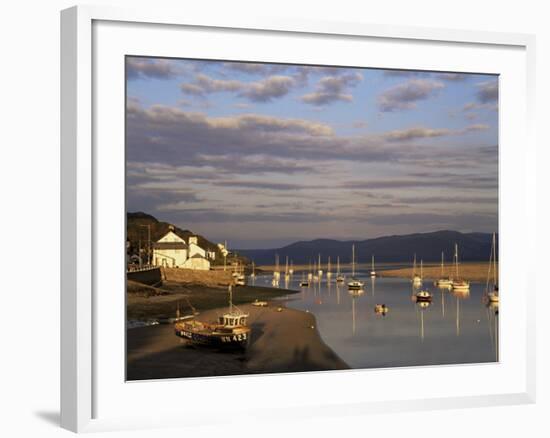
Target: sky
x=263, y=155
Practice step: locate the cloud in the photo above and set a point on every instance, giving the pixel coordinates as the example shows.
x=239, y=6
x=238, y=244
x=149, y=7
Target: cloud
x=404, y=96
x=421, y=132
x=204, y=84
x=333, y=88
x=487, y=91
x=268, y=89
x=452, y=77
x=156, y=68
x=260, y=91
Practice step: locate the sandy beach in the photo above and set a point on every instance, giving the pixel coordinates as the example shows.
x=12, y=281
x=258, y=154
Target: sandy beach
x=286, y=341
x=474, y=271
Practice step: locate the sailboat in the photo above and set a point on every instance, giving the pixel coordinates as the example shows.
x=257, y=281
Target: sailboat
x=329, y=274
x=416, y=279
x=354, y=286
x=372, y=271
x=339, y=277
x=276, y=273
x=238, y=276
x=304, y=282
x=230, y=331
x=309, y=274
x=253, y=274
x=459, y=284
x=291, y=270
x=492, y=295
x=444, y=281
x=320, y=271
x=287, y=273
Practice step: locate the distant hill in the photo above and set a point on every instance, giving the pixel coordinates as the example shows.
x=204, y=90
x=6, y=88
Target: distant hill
x=427, y=246
x=136, y=230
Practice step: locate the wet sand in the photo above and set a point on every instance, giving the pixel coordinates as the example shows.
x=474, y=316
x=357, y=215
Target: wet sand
x=286, y=341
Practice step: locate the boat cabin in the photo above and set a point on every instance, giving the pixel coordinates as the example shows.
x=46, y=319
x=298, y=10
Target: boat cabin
x=233, y=320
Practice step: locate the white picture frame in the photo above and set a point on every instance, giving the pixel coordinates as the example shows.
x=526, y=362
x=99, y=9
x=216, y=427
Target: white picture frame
x=84, y=382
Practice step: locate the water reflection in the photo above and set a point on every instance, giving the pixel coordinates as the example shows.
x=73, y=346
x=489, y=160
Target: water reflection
x=455, y=327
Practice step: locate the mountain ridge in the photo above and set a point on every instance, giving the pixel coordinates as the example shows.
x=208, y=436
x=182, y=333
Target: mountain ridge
x=473, y=246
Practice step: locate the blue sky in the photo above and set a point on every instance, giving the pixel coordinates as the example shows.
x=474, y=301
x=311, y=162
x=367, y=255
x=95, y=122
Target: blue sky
x=263, y=155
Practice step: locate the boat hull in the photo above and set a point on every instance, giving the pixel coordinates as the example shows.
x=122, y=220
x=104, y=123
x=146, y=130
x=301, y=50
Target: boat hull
x=216, y=340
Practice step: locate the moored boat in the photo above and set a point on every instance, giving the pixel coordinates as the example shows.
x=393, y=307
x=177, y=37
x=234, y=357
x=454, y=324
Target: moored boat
x=459, y=284
x=444, y=282
x=355, y=286
x=230, y=331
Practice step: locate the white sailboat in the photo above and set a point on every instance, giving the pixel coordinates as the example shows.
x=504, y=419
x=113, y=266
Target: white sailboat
x=320, y=271
x=287, y=273
x=276, y=273
x=444, y=281
x=291, y=270
x=354, y=285
x=458, y=283
x=339, y=277
x=309, y=274
x=372, y=271
x=416, y=279
x=492, y=289
x=329, y=274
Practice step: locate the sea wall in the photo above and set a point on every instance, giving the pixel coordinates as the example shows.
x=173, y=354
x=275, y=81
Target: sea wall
x=150, y=276
x=211, y=278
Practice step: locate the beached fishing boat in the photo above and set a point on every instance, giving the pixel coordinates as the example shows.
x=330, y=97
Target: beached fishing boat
x=444, y=281
x=230, y=331
x=416, y=279
x=339, y=277
x=372, y=271
x=458, y=283
x=354, y=285
x=491, y=288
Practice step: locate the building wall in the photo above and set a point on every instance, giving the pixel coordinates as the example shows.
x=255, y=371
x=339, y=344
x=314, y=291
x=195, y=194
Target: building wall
x=196, y=249
x=197, y=263
x=171, y=258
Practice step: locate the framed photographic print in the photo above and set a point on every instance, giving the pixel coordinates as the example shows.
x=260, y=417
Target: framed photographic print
x=255, y=207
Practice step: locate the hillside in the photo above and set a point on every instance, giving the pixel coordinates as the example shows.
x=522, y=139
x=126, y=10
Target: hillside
x=136, y=230
x=428, y=246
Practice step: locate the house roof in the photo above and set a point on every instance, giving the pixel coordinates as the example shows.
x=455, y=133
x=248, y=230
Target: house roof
x=170, y=245
x=197, y=256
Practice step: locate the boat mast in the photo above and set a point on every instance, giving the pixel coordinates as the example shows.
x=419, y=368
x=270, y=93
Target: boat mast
x=352, y=261
x=372, y=263
x=230, y=299
x=456, y=260
x=495, y=276
x=442, y=263
x=421, y=269
x=414, y=266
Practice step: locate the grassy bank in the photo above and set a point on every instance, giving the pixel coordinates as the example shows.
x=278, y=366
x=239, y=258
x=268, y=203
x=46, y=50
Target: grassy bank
x=473, y=271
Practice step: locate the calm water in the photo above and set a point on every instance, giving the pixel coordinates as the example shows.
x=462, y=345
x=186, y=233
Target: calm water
x=454, y=328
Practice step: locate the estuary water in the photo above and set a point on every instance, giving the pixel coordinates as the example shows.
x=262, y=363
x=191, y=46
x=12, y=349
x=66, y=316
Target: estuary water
x=454, y=328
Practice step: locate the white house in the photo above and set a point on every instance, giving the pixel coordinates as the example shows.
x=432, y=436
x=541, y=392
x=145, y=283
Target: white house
x=172, y=251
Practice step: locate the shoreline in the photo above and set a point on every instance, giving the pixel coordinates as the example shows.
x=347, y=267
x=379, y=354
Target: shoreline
x=473, y=271
x=285, y=341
